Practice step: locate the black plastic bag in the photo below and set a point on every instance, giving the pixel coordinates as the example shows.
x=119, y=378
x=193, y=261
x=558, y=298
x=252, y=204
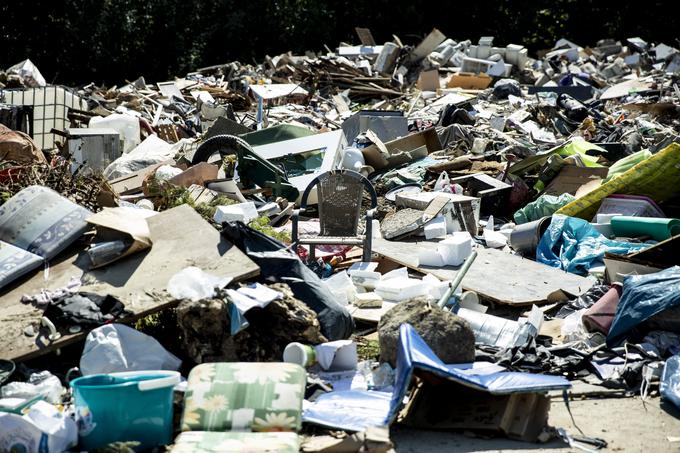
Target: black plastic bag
x=278, y=264
x=85, y=309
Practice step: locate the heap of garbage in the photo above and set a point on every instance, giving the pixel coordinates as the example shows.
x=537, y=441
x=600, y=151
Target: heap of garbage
x=254, y=258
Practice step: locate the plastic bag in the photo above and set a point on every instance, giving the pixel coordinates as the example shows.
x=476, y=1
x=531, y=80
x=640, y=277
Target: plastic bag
x=643, y=297
x=342, y=287
x=43, y=429
x=545, y=205
x=670, y=381
x=114, y=347
x=574, y=245
x=43, y=383
x=194, y=284
x=443, y=183
x=279, y=264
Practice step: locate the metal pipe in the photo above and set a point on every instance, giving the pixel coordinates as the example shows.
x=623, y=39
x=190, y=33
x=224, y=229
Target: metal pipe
x=456, y=281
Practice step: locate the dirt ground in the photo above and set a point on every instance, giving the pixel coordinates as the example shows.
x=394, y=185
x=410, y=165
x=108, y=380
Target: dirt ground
x=625, y=423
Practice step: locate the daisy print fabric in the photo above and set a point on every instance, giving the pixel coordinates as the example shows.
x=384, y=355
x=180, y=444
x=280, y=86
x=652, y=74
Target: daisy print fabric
x=262, y=397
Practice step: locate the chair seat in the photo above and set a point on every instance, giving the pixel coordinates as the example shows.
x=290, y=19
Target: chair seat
x=332, y=240
x=213, y=442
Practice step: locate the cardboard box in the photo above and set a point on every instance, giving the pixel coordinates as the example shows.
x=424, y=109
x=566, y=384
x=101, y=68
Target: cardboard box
x=428, y=80
x=469, y=81
x=571, y=178
x=402, y=150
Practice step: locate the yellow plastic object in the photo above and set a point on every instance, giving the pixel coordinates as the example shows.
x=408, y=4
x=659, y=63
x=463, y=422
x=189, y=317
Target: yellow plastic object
x=655, y=178
x=580, y=147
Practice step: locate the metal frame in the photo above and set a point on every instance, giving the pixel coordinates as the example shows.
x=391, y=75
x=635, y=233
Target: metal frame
x=48, y=114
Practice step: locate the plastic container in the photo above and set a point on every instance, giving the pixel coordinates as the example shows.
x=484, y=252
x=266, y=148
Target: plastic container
x=302, y=354
x=127, y=127
x=525, y=237
x=658, y=228
x=120, y=407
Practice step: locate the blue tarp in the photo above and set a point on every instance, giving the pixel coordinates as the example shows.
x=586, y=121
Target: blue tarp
x=574, y=245
x=670, y=381
x=643, y=297
x=343, y=409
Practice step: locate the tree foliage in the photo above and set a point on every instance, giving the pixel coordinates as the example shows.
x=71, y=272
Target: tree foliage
x=108, y=41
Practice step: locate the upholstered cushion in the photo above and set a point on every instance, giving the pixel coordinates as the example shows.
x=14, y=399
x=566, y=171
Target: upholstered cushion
x=41, y=221
x=243, y=396
x=211, y=442
x=15, y=262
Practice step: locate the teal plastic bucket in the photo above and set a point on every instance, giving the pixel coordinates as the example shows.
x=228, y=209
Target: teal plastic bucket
x=121, y=407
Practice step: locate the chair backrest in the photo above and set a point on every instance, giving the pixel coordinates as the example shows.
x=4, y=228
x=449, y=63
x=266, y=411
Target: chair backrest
x=339, y=194
x=244, y=396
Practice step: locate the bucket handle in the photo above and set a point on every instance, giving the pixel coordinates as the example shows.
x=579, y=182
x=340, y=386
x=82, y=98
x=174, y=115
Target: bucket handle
x=153, y=384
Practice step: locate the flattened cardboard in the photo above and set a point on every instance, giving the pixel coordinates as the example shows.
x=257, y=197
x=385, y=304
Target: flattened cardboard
x=198, y=174
x=571, y=178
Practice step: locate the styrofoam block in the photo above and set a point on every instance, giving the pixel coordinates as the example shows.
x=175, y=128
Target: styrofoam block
x=244, y=212
x=456, y=249
x=368, y=300
x=436, y=228
x=605, y=218
x=430, y=258
x=364, y=269
x=400, y=289
x=436, y=287
x=402, y=272
x=366, y=283
x=342, y=287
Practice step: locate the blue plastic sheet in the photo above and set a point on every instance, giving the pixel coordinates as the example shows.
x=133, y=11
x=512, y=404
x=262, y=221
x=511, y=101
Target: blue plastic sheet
x=574, y=245
x=343, y=410
x=670, y=381
x=643, y=297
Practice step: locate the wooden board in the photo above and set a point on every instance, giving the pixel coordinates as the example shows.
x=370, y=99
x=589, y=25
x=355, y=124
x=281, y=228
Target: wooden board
x=181, y=238
x=495, y=275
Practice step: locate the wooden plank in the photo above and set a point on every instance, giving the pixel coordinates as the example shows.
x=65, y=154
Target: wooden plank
x=495, y=275
x=181, y=238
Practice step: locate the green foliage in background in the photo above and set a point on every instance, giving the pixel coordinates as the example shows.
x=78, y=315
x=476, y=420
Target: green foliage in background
x=108, y=41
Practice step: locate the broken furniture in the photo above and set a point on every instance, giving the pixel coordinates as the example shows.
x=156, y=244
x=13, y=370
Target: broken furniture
x=36, y=224
x=303, y=159
x=243, y=406
x=387, y=125
x=468, y=381
x=93, y=148
x=494, y=193
x=412, y=147
x=339, y=200
x=252, y=168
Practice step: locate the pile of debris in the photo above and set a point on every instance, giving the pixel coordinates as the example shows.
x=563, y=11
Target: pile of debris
x=391, y=228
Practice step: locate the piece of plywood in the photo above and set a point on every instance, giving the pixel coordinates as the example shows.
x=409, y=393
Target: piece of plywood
x=495, y=275
x=180, y=237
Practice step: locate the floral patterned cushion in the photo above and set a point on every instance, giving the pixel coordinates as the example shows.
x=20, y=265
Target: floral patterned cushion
x=244, y=396
x=210, y=442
